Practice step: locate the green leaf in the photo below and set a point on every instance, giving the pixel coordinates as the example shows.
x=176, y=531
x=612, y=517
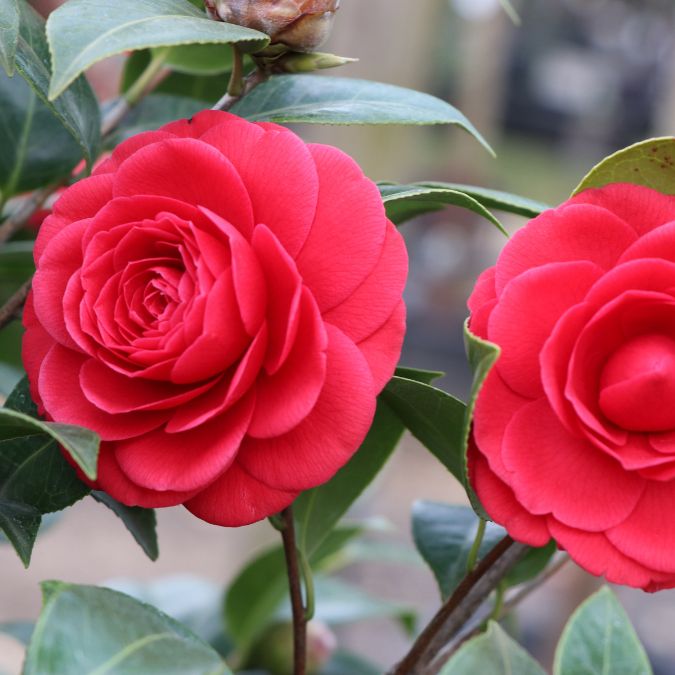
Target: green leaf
x=495, y=653
x=425, y=376
x=9, y=33
x=153, y=112
x=80, y=443
x=20, y=524
x=19, y=630
x=650, y=163
x=599, y=638
x=490, y=199
x=77, y=110
x=346, y=663
x=260, y=588
x=214, y=59
x=84, y=629
x=435, y=418
x=33, y=470
x=482, y=356
x=318, y=99
x=141, y=523
x=317, y=511
x=82, y=32
x=404, y=202
x=531, y=564
x=444, y=535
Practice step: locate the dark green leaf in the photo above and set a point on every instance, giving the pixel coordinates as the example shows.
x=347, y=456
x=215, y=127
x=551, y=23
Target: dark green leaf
x=425, y=376
x=32, y=469
x=650, y=163
x=531, y=564
x=600, y=639
x=206, y=89
x=317, y=99
x=82, y=32
x=141, y=523
x=260, y=588
x=9, y=33
x=495, y=653
x=20, y=524
x=491, y=199
x=404, y=202
x=153, y=112
x=84, y=629
x=77, y=110
x=435, y=418
x=482, y=356
x=444, y=535
x=317, y=511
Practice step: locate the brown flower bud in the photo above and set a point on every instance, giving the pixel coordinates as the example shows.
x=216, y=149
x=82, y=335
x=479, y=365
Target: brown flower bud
x=302, y=25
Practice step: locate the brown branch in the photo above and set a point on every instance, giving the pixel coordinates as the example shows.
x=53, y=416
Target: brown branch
x=17, y=220
x=255, y=78
x=463, y=603
x=295, y=588
x=10, y=310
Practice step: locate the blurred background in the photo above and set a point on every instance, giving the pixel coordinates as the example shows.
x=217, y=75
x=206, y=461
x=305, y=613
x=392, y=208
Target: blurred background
x=576, y=81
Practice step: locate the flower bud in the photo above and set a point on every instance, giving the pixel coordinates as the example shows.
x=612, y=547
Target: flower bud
x=301, y=62
x=302, y=25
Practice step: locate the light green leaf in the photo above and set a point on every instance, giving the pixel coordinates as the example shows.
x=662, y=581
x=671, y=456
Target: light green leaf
x=493, y=199
x=141, y=523
x=495, y=653
x=97, y=631
x=435, y=418
x=404, y=202
x=318, y=99
x=80, y=443
x=19, y=630
x=599, y=639
x=650, y=163
x=82, y=32
x=20, y=524
x=214, y=59
x=482, y=356
x=48, y=152
x=317, y=511
x=346, y=663
x=9, y=33
x=260, y=588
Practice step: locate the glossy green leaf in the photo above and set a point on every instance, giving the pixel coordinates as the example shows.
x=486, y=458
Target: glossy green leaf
x=82, y=32
x=9, y=33
x=76, y=110
x=84, y=629
x=20, y=524
x=435, y=418
x=153, y=112
x=141, y=523
x=599, y=638
x=650, y=163
x=318, y=99
x=419, y=375
x=490, y=199
x=317, y=511
x=260, y=588
x=482, y=356
x=204, y=88
x=33, y=470
x=444, y=535
x=404, y=202
x=214, y=59
x=495, y=653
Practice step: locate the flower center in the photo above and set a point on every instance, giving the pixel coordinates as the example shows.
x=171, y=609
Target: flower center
x=637, y=385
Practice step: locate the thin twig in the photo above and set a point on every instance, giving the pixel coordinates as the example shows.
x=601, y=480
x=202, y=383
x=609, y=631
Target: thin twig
x=28, y=207
x=251, y=82
x=466, y=599
x=10, y=310
x=295, y=588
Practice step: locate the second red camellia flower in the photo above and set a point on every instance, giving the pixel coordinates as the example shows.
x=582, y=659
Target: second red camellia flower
x=574, y=430
x=221, y=303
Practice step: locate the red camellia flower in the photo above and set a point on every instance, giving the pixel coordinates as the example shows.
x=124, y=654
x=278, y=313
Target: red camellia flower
x=574, y=431
x=222, y=303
